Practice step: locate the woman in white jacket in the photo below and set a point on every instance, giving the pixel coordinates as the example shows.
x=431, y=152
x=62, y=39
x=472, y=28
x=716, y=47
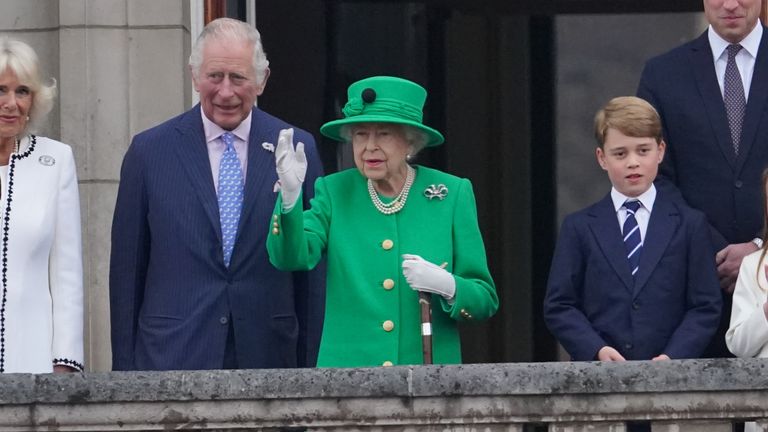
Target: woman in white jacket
x=41, y=275
x=747, y=335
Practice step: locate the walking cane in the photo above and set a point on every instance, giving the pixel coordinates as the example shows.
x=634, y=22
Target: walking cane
x=426, y=326
x=426, y=323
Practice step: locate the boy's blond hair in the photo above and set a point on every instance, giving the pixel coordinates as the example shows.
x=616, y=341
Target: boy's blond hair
x=629, y=115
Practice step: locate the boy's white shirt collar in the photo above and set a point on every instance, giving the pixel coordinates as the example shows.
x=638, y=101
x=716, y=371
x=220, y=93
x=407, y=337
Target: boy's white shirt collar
x=646, y=198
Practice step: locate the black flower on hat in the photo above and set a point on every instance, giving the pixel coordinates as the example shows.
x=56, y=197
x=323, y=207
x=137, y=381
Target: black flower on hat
x=355, y=106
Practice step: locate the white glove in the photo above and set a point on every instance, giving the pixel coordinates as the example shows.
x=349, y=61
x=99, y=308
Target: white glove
x=291, y=167
x=424, y=276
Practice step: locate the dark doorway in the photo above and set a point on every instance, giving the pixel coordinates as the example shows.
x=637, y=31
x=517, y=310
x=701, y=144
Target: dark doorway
x=488, y=66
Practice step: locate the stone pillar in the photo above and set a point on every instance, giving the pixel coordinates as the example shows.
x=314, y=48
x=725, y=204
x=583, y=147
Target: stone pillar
x=121, y=68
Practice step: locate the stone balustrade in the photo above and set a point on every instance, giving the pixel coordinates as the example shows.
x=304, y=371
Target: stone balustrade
x=689, y=395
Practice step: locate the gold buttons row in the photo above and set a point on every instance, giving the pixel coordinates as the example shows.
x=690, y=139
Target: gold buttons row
x=388, y=284
x=275, y=225
x=465, y=314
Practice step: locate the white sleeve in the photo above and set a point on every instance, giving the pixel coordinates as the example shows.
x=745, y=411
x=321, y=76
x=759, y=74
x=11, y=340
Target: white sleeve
x=66, y=270
x=748, y=331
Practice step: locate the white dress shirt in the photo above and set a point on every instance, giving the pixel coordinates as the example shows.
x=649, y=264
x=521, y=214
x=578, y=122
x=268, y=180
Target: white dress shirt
x=745, y=59
x=216, y=146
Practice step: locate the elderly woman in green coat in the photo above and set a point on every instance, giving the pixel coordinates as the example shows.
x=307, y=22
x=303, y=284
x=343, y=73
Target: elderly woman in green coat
x=388, y=229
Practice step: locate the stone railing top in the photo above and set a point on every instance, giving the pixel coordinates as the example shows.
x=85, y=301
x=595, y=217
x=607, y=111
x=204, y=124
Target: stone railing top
x=403, y=381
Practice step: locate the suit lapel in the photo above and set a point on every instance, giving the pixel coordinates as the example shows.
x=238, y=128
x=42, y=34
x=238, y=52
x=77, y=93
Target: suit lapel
x=665, y=218
x=758, y=92
x=261, y=166
x=193, y=153
x=711, y=97
x=605, y=228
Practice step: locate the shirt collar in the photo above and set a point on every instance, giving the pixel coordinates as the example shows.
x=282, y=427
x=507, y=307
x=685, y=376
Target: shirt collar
x=646, y=198
x=750, y=43
x=213, y=131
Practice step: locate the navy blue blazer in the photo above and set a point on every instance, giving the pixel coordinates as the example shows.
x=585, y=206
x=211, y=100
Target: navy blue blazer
x=171, y=295
x=682, y=85
x=672, y=306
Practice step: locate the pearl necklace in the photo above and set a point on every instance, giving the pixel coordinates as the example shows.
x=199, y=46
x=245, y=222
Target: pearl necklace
x=396, y=204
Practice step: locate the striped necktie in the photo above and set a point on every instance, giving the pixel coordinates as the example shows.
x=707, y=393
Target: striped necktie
x=230, y=195
x=631, y=232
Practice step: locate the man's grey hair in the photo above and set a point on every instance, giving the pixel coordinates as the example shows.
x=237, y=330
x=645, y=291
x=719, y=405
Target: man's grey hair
x=230, y=30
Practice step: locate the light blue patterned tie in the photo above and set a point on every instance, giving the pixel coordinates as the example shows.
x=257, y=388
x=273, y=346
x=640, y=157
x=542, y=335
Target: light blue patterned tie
x=230, y=195
x=631, y=232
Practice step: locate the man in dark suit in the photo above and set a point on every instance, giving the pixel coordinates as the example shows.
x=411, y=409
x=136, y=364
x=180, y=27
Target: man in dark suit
x=711, y=94
x=632, y=276
x=191, y=286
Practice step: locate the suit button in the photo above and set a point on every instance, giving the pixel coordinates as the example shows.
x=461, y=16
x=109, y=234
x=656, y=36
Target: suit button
x=223, y=320
x=388, y=284
x=275, y=231
x=388, y=326
x=387, y=244
x=635, y=305
x=387, y=363
x=628, y=346
x=738, y=184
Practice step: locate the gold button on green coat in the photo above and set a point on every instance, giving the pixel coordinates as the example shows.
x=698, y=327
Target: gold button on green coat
x=388, y=326
x=344, y=226
x=387, y=244
x=388, y=284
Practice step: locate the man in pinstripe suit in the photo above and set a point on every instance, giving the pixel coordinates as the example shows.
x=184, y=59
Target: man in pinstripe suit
x=180, y=297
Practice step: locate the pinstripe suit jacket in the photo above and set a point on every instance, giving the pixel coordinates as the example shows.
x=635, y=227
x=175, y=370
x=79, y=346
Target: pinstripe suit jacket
x=171, y=295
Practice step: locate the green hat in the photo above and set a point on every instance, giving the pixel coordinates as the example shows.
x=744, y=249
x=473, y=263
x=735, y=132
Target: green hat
x=384, y=99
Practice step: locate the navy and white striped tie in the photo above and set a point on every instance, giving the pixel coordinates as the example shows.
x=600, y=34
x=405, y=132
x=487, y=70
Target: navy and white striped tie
x=631, y=232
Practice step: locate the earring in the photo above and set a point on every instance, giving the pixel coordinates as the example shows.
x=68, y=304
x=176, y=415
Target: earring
x=27, y=118
x=408, y=157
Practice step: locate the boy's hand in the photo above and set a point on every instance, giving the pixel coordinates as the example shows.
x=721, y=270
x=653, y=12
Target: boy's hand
x=728, y=261
x=607, y=353
x=661, y=357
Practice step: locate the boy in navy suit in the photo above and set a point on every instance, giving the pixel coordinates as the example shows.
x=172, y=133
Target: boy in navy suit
x=633, y=275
